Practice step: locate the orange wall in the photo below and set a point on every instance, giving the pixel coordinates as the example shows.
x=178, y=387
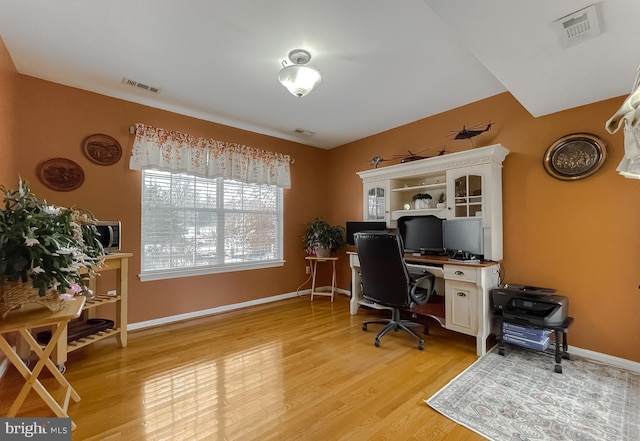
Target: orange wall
x=8, y=78
x=54, y=119
x=580, y=237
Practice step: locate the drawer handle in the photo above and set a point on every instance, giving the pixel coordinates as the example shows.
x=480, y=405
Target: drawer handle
x=459, y=273
x=461, y=294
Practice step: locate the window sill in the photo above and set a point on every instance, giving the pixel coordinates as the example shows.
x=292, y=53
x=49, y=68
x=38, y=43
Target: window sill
x=200, y=271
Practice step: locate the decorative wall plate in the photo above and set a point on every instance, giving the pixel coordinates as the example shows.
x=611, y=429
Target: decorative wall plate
x=61, y=174
x=575, y=156
x=102, y=149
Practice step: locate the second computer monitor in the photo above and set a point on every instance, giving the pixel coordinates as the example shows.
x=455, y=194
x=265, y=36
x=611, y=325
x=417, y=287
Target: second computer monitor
x=464, y=235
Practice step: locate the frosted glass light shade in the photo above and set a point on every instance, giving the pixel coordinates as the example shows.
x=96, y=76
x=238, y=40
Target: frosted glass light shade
x=299, y=79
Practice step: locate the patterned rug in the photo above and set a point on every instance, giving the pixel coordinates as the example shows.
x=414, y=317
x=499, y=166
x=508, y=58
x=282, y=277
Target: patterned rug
x=519, y=397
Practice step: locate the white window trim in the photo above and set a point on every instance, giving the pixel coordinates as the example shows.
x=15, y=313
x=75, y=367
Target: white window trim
x=173, y=273
x=149, y=276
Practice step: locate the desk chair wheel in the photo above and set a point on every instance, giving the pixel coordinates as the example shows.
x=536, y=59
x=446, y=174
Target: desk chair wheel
x=377, y=343
x=421, y=346
x=364, y=326
x=62, y=368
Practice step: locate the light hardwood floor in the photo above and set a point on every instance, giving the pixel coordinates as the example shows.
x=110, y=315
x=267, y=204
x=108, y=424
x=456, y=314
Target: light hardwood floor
x=289, y=370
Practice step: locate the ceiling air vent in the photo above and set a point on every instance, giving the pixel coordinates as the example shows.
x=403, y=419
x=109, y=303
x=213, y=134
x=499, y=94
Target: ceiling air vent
x=304, y=132
x=580, y=26
x=138, y=85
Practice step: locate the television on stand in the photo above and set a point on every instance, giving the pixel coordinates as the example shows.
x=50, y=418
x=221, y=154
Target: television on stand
x=464, y=239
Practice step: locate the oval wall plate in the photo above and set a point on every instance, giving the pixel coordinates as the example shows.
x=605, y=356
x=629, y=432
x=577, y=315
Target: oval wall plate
x=61, y=174
x=102, y=149
x=575, y=156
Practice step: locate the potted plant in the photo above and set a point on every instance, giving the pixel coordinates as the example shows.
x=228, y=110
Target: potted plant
x=441, y=198
x=322, y=239
x=421, y=200
x=44, y=250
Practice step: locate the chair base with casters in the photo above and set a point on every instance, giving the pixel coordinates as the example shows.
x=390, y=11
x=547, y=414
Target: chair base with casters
x=394, y=323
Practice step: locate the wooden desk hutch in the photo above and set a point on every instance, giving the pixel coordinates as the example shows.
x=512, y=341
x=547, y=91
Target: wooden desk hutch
x=471, y=184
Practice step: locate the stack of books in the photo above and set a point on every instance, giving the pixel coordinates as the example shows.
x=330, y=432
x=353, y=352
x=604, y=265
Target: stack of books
x=537, y=339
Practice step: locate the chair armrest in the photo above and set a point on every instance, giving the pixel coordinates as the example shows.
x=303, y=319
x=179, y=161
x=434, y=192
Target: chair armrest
x=422, y=297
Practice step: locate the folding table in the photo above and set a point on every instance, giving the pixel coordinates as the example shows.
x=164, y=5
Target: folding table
x=22, y=321
x=314, y=267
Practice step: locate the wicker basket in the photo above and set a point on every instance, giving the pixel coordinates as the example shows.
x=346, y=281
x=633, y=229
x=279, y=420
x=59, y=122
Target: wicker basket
x=14, y=294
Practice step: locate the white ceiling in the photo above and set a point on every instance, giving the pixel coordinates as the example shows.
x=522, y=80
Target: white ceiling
x=385, y=63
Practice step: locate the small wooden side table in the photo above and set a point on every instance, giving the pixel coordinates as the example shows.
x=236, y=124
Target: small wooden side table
x=22, y=321
x=314, y=267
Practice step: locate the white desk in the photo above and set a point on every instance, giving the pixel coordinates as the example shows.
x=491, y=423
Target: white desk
x=466, y=292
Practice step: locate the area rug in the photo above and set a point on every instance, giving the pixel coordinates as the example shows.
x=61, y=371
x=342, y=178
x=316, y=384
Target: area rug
x=519, y=397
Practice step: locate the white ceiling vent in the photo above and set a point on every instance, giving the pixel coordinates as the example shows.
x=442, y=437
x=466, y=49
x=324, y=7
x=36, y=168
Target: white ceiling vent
x=304, y=132
x=142, y=86
x=580, y=26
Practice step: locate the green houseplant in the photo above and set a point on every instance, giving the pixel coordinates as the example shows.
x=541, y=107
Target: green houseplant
x=43, y=247
x=322, y=239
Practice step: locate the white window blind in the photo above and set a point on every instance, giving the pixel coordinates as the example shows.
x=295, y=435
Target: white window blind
x=193, y=225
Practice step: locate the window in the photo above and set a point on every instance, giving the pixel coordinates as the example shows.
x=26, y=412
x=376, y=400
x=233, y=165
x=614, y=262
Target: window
x=193, y=225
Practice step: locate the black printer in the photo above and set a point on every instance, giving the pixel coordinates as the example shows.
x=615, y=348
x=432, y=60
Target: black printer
x=530, y=305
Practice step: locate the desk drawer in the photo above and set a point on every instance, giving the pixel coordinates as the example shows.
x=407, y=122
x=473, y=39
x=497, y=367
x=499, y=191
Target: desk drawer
x=462, y=273
x=419, y=269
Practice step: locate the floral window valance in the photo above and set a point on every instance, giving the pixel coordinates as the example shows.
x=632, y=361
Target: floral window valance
x=178, y=152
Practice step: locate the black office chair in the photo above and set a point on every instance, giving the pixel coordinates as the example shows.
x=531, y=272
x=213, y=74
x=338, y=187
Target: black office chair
x=387, y=282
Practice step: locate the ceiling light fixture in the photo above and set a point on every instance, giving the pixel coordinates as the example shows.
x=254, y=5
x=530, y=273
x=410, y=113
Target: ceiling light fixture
x=298, y=78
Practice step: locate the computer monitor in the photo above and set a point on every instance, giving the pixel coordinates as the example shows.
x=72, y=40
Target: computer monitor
x=421, y=234
x=354, y=227
x=464, y=237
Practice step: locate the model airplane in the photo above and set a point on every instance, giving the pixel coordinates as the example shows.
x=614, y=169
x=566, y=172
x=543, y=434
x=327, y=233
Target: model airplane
x=470, y=133
x=411, y=156
x=376, y=160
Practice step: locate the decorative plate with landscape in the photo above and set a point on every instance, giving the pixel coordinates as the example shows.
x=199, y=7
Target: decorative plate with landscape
x=61, y=174
x=102, y=149
x=575, y=156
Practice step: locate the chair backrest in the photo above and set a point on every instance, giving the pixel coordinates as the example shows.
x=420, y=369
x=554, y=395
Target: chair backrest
x=385, y=277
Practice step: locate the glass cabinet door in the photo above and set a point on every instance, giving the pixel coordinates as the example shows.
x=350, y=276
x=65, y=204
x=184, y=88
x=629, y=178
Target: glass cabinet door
x=468, y=196
x=376, y=204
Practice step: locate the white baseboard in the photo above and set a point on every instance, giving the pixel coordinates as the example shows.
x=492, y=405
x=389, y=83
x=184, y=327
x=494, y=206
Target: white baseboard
x=596, y=356
x=606, y=359
x=211, y=311
x=225, y=308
